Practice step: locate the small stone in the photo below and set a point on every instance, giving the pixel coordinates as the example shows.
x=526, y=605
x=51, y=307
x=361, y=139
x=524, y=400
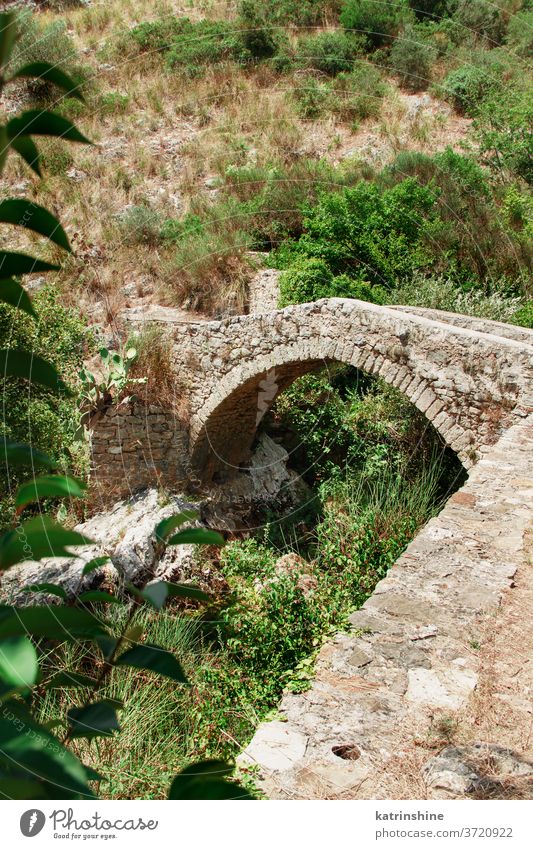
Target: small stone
x=275, y=746
x=359, y=658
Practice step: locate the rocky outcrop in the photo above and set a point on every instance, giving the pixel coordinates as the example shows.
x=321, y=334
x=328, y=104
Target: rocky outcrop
x=125, y=533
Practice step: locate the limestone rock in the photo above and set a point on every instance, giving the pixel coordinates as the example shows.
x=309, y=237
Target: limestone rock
x=126, y=534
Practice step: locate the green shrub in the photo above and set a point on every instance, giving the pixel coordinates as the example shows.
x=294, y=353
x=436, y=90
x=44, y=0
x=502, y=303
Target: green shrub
x=114, y=103
x=520, y=33
x=272, y=199
x=258, y=37
x=412, y=58
x=432, y=9
x=158, y=35
x=372, y=235
x=312, y=97
x=310, y=279
x=42, y=417
x=140, y=225
x=442, y=293
x=329, y=52
x=378, y=21
x=299, y=12
x=469, y=241
x=483, y=18
x=205, y=43
x=523, y=316
x=503, y=129
x=468, y=86
x=357, y=95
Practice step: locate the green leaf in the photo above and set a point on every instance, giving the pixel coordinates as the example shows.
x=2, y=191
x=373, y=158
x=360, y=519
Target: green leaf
x=107, y=645
x=18, y=662
x=133, y=634
x=51, y=621
x=8, y=36
x=37, y=538
x=27, y=149
x=50, y=73
x=4, y=147
x=94, y=564
x=31, y=752
x=52, y=589
x=20, y=788
x=196, y=536
x=14, y=294
x=70, y=679
x=154, y=658
x=166, y=526
x=48, y=486
x=17, y=264
x=24, y=213
x=206, y=780
x=99, y=595
x=20, y=363
x=39, y=122
x=96, y=720
x=18, y=454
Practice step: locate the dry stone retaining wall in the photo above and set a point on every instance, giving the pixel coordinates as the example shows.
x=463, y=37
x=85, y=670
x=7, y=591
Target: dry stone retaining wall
x=135, y=446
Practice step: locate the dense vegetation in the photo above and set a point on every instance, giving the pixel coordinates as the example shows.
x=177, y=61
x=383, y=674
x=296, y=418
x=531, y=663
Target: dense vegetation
x=444, y=225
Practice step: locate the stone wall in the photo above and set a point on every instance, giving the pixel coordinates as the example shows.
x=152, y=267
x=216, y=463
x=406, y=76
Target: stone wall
x=134, y=446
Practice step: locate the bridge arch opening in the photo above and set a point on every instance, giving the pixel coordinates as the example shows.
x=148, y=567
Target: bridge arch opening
x=224, y=435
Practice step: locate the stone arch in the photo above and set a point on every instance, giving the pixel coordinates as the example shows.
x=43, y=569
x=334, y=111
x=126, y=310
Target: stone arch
x=223, y=430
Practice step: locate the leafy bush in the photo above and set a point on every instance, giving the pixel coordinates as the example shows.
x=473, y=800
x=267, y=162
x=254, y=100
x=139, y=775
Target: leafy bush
x=378, y=21
x=411, y=58
x=469, y=240
x=114, y=103
x=310, y=279
x=372, y=235
x=468, y=86
x=299, y=12
x=43, y=417
x=357, y=95
x=520, y=33
x=503, y=129
x=329, y=52
x=312, y=97
x=258, y=37
x=482, y=18
x=441, y=293
x=523, y=316
x=205, y=43
x=432, y=9
x=272, y=199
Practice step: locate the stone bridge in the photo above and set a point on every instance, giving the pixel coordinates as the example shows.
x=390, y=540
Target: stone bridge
x=471, y=378
x=422, y=646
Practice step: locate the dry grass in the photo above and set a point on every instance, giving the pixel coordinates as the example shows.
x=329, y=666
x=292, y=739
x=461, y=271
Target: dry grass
x=161, y=140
